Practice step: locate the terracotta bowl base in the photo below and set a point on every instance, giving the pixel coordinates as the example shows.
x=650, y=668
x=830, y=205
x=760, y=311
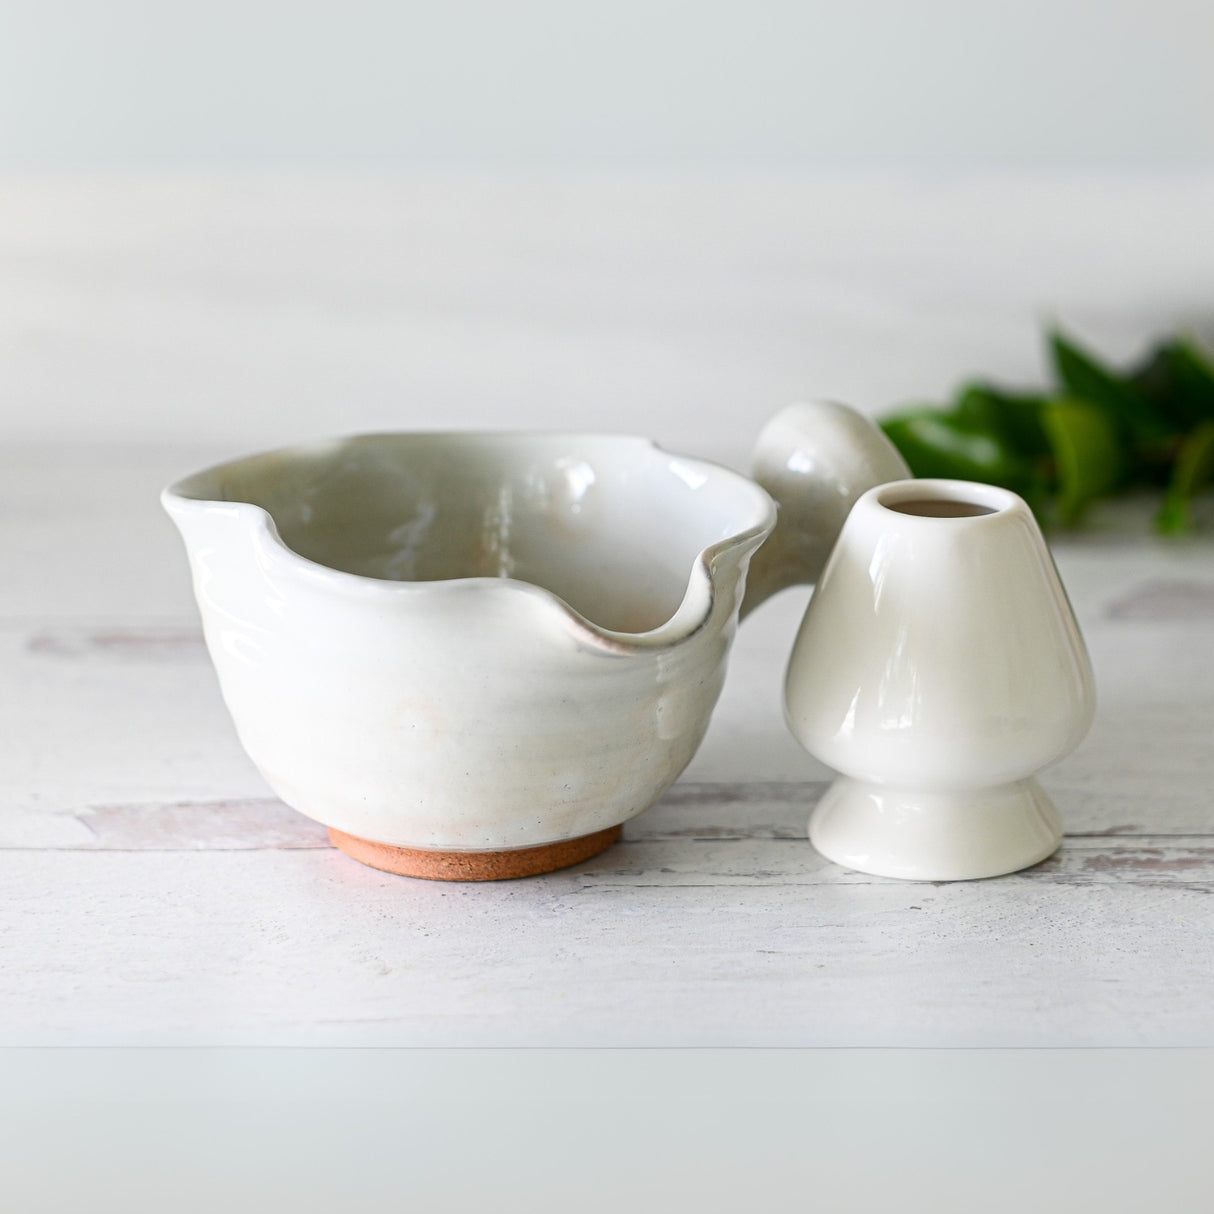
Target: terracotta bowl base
x=474, y=865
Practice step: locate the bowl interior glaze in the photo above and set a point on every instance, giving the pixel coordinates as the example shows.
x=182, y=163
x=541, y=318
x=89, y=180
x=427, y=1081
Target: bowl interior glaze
x=612, y=525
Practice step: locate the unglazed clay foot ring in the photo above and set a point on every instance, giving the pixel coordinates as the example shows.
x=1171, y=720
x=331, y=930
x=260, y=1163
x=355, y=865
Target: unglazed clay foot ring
x=475, y=865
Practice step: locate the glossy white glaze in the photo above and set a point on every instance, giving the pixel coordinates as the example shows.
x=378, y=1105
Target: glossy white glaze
x=938, y=667
x=815, y=458
x=472, y=641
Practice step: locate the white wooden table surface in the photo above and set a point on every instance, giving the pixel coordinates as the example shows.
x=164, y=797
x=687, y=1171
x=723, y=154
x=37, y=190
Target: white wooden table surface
x=151, y=890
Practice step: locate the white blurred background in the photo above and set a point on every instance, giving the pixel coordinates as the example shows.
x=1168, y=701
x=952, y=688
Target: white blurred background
x=774, y=84
x=248, y=223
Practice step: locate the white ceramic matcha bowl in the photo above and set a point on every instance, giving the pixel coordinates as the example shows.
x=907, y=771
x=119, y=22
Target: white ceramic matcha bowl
x=476, y=655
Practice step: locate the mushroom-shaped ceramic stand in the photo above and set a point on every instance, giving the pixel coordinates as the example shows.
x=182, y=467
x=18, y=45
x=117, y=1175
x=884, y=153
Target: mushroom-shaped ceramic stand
x=938, y=668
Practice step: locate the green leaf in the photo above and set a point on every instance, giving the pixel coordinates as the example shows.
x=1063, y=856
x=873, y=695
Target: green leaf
x=1087, y=451
x=1194, y=466
x=1176, y=379
x=956, y=446
x=1104, y=431
x=1085, y=379
x=939, y=444
x=1014, y=417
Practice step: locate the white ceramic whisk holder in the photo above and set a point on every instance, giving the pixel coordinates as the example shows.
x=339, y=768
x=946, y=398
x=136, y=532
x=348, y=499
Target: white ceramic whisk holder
x=939, y=667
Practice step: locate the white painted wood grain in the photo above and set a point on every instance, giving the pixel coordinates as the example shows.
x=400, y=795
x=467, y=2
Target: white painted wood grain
x=653, y=944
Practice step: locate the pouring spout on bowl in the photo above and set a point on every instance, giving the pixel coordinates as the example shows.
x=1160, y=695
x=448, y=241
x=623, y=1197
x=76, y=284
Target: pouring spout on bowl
x=816, y=459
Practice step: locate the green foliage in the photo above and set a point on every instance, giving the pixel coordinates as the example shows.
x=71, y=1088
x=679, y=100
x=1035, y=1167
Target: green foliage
x=1098, y=432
